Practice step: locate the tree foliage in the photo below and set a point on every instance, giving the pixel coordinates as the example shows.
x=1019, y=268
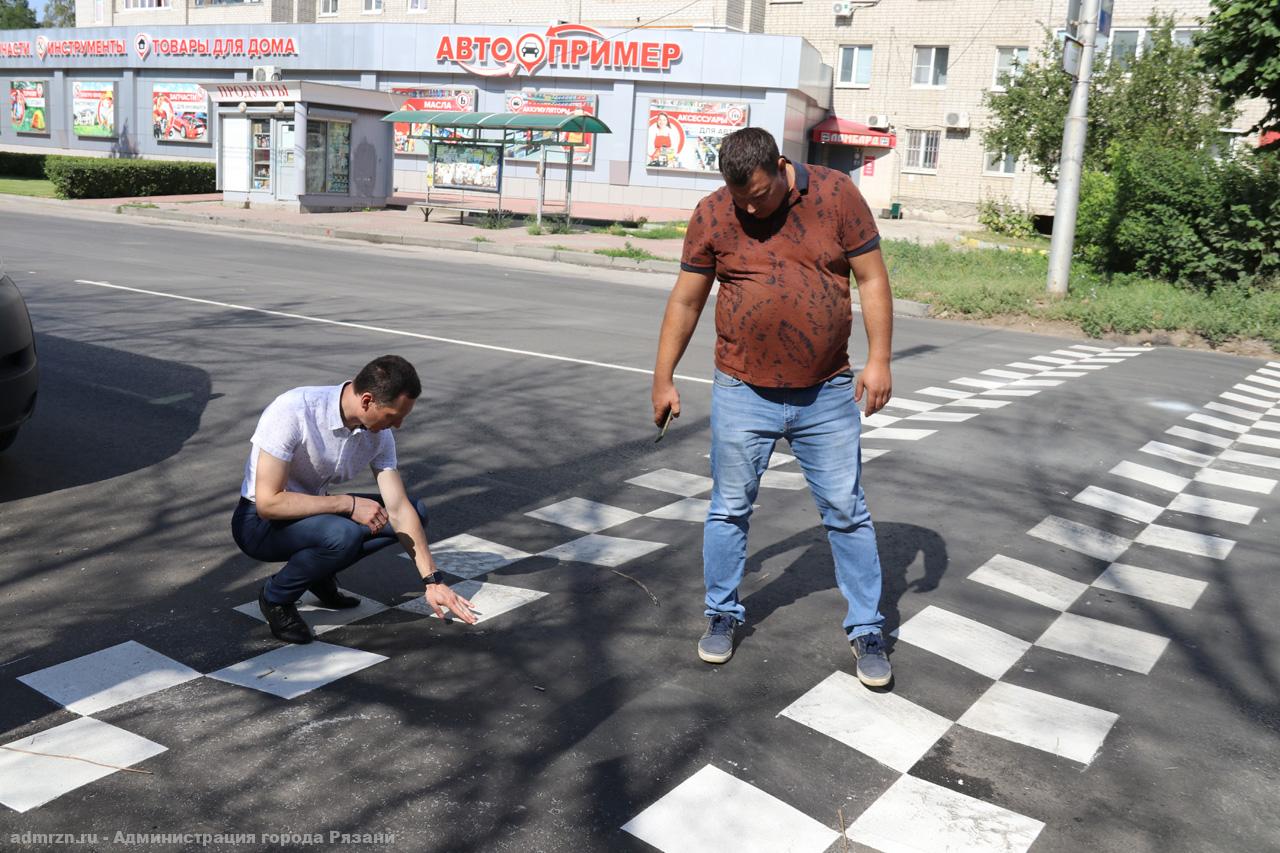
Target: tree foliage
x=60, y=13
x=1164, y=96
x=16, y=15
x=1240, y=49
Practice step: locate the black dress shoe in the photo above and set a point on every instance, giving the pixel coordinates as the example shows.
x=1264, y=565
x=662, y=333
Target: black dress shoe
x=284, y=621
x=326, y=592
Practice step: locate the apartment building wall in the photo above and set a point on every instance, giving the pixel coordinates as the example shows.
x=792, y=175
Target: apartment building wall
x=973, y=31
x=733, y=15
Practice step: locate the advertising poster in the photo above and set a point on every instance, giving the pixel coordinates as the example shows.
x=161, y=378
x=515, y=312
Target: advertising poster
x=29, y=106
x=686, y=135
x=459, y=166
x=527, y=145
x=180, y=112
x=413, y=138
x=93, y=108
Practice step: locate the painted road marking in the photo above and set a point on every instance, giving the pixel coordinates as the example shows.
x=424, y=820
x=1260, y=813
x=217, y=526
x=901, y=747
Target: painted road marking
x=1080, y=537
x=885, y=726
x=1160, y=587
x=1040, y=721
x=915, y=815
x=293, y=670
x=965, y=641
x=583, y=515
x=1030, y=582
x=385, y=331
x=28, y=781
x=696, y=815
x=104, y=679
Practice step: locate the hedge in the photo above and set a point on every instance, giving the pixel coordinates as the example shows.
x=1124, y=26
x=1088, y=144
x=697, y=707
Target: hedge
x=15, y=165
x=95, y=177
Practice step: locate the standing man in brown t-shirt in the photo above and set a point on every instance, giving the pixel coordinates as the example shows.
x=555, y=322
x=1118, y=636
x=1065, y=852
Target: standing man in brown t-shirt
x=783, y=238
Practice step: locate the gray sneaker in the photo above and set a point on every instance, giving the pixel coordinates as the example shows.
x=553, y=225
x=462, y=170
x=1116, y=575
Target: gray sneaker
x=716, y=645
x=873, y=661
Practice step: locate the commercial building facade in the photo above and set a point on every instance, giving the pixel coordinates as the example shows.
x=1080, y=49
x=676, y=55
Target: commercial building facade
x=891, y=91
x=666, y=95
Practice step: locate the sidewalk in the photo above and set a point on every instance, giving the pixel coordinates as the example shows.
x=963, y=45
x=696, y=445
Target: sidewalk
x=582, y=247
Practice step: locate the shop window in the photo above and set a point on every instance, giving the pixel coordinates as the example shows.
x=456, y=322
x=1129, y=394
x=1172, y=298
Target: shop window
x=855, y=65
x=930, y=67
x=328, y=7
x=373, y=7
x=1009, y=64
x=261, y=150
x=329, y=157
x=922, y=150
x=999, y=163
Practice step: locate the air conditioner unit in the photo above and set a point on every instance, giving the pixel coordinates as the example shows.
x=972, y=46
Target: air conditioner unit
x=265, y=73
x=878, y=121
x=956, y=120
x=842, y=8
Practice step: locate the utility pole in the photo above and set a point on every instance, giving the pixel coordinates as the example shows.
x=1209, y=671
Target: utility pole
x=1069, y=167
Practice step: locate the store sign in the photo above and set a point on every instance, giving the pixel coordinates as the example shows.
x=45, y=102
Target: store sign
x=93, y=108
x=863, y=140
x=71, y=48
x=260, y=47
x=29, y=106
x=564, y=46
x=414, y=138
x=528, y=144
x=180, y=112
x=14, y=49
x=686, y=135
x=254, y=93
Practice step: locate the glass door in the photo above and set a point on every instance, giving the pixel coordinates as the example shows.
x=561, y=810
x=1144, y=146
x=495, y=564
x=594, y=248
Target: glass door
x=260, y=152
x=286, y=171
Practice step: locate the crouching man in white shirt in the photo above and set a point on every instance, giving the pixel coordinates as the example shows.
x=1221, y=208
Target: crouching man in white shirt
x=312, y=438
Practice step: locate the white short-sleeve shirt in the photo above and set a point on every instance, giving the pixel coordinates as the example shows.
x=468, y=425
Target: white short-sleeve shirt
x=304, y=428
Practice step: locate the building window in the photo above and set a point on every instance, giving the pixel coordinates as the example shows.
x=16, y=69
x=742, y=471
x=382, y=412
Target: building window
x=855, y=64
x=99, y=9
x=328, y=7
x=1124, y=47
x=417, y=5
x=930, y=67
x=373, y=7
x=999, y=163
x=146, y=4
x=922, y=150
x=1009, y=64
x=1184, y=38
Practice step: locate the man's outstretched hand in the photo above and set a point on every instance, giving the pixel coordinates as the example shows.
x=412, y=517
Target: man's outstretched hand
x=439, y=597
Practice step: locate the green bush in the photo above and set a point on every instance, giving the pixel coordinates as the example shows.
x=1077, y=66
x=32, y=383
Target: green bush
x=15, y=165
x=1183, y=217
x=98, y=177
x=1002, y=216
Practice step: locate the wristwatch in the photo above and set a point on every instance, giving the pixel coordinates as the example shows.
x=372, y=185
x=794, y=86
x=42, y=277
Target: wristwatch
x=432, y=578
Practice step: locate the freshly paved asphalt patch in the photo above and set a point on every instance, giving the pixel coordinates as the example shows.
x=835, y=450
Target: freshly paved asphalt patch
x=581, y=706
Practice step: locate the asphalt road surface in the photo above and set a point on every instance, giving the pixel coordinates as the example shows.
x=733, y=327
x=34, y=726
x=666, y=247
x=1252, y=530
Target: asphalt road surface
x=1077, y=556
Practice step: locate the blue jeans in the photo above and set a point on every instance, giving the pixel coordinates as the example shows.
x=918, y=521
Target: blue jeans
x=316, y=547
x=822, y=425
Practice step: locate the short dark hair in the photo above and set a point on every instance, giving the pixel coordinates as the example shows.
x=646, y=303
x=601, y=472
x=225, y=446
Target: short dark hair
x=386, y=378
x=744, y=151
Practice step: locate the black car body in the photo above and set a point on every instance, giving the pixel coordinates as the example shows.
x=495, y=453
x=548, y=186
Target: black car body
x=18, y=371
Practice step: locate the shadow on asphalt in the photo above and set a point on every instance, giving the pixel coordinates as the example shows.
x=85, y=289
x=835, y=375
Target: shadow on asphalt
x=101, y=413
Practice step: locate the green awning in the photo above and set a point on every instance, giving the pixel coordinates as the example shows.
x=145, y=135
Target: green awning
x=501, y=121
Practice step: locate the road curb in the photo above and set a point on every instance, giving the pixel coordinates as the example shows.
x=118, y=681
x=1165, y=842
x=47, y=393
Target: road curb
x=903, y=307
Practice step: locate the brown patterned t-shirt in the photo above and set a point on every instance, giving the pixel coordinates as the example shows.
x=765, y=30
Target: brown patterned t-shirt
x=784, y=313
